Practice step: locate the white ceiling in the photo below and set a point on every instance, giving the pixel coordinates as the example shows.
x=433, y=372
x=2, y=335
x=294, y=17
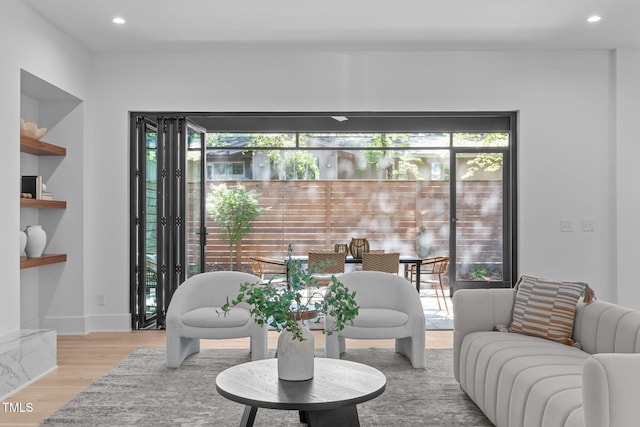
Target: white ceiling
x=345, y=24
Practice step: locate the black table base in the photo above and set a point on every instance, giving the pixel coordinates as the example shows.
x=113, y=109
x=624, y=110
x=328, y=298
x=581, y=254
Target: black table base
x=344, y=417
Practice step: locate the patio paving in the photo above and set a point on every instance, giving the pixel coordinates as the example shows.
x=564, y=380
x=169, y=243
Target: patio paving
x=434, y=317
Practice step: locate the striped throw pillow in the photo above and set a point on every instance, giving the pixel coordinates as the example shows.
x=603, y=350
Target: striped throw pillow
x=546, y=308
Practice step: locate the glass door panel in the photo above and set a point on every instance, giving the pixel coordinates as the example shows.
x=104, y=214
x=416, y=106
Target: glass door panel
x=478, y=219
x=144, y=224
x=195, y=229
x=151, y=225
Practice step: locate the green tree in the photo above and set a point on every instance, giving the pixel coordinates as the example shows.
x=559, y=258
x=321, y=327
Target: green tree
x=398, y=165
x=234, y=209
x=408, y=165
x=276, y=140
x=301, y=165
x=488, y=162
x=298, y=164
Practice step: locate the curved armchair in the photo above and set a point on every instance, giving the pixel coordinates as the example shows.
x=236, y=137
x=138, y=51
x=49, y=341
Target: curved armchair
x=389, y=308
x=193, y=315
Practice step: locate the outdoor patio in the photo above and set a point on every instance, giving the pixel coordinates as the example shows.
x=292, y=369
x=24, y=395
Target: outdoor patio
x=434, y=317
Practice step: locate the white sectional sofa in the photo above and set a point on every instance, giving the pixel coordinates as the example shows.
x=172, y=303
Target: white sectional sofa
x=519, y=380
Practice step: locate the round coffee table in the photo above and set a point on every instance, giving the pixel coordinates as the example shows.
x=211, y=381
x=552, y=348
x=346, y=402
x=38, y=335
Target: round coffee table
x=328, y=399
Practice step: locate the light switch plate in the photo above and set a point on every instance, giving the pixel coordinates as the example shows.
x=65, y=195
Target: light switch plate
x=566, y=225
x=588, y=225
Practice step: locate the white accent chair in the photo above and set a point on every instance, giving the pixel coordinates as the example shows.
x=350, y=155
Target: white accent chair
x=390, y=307
x=193, y=315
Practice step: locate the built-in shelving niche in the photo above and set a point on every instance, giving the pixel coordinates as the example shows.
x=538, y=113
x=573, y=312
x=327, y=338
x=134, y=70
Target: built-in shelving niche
x=57, y=158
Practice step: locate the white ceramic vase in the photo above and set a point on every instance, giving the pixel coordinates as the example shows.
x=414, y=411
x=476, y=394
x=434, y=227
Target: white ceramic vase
x=23, y=242
x=36, y=241
x=295, y=357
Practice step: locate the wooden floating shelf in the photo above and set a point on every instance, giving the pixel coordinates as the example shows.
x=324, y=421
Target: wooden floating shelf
x=45, y=259
x=40, y=148
x=43, y=204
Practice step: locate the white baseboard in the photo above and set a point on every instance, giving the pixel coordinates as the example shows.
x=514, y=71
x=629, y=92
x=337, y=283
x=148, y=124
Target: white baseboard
x=92, y=323
x=109, y=323
x=75, y=325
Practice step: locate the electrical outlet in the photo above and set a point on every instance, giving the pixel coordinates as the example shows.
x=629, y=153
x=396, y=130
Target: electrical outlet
x=566, y=225
x=588, y=225
x=100, y=298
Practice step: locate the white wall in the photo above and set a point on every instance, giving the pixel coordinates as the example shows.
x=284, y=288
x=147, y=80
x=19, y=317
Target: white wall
x=624, y=272
x=564, y=150
x=32, y=44
x=9, y=173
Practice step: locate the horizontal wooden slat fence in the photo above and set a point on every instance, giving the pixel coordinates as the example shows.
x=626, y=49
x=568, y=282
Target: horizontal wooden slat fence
x=319, y=214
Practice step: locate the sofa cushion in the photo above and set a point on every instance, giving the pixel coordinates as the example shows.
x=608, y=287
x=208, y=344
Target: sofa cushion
x=380, y=318
x=546, y=308
x=212, y=317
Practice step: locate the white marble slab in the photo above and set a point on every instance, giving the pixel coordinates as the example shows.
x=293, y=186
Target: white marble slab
x=25, y=356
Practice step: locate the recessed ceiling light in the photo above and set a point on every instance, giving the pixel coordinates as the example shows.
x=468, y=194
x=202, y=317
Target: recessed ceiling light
x=594, y=18
x=339, y=118
x=118, y=20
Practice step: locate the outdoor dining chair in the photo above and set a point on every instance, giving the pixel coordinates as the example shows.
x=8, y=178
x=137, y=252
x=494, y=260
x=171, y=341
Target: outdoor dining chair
x=274, y=270
x=434, y=267
x=385, y=262
x=324, y=264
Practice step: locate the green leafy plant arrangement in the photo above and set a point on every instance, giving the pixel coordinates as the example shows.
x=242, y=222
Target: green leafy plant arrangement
x=282, y=306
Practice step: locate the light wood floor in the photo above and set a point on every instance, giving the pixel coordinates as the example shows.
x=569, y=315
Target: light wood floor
x=83, y=359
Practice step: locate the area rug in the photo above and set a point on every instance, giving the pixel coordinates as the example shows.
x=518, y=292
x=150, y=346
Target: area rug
x=142, y=391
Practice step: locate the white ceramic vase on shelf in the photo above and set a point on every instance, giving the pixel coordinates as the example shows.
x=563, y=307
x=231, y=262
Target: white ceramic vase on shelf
x=295, y=357
x=36, y=241
x=23, y=242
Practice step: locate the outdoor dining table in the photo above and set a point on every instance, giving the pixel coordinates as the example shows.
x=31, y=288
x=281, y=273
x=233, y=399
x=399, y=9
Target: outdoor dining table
x=404, y=259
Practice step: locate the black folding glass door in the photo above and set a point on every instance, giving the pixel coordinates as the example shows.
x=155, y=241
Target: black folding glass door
x=166, y=164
